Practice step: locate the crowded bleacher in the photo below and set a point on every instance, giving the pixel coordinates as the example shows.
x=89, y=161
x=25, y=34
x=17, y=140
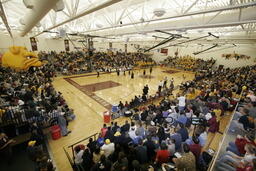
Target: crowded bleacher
x=173, y=133
x=67, y=63
x=188, y=63
x=168, y=134
x=128, y=85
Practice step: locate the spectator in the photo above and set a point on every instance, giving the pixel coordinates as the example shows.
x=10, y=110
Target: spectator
x=92, y=145
x=108, y=147
x=171, y=146
x=104, y=130
x=183, y=132
x=79, y=158
x=103, y=165
x=87, y=158
x=63, y=125
x=182, y=103
x=149, y=144
x=162, y=156
x=237, y=147
x=32, y=150
x=196, y=148
x=213, y=124
x=178, y=139
x=230, y=160
x=141, y=153
x=97, y=154
x=100, y=140
x=187, y=161
x=121, y=164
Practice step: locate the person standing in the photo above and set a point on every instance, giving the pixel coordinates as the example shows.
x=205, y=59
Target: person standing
x=79, y=158
x=132, y=76
x=32, y=150
x=162, y=155
x=118, y=72
x=196, y=148
x=98, y=74
x=144, y=72
x=160, y=87
x=108, y=147
x=165, y=82
x=63, y=124
x=121, y=164
x=182, y=103
x=103, y=165
x=171, y=85
x=141, y=152
x=150, y=70
x=145, y=90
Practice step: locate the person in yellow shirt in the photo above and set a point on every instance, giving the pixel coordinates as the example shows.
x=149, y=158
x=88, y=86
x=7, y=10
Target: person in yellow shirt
x=191, y=95
x=218, y=114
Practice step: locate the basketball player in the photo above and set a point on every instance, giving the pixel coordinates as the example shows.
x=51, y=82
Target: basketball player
x=150, y=70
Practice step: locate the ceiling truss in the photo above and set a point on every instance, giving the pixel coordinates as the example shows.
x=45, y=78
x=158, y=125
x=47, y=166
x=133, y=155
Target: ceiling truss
x=136, y=13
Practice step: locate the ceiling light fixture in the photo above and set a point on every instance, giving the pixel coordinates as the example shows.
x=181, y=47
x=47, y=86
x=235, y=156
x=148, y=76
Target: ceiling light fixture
x=159, y=12
x=29, y=3
x=99, y=25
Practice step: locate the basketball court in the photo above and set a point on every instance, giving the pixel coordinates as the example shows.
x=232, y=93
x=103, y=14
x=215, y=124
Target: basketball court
x=90, y=96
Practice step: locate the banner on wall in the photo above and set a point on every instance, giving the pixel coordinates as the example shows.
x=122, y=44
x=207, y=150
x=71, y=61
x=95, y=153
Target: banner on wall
x=125, y=48
x=110, y=45
x=66, y=42
x=164, y=51
x=33, y=44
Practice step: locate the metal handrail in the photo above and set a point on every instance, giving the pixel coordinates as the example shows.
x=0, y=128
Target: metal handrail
x=83, y=140
x=212, y=164
x=71, y=160
x=213, y=161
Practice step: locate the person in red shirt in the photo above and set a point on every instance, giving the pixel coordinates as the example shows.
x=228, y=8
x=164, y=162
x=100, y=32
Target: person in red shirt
x=104, y=130
x=162, y=156
x=195, y=148
x=213, y=124
x=237, y=147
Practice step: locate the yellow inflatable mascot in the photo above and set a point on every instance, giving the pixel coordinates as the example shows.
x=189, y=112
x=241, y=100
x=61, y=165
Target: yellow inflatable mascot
x=20, y=58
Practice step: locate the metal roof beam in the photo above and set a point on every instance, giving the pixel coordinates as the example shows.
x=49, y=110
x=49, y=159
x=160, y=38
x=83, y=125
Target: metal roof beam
x=4, y=19
x=251, y=4
x=86, y=12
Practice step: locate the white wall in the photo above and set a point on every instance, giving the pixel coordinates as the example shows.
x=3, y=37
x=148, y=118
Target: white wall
x=42, y=43
x=245, y=49
x=118, y=46
x=58, y=45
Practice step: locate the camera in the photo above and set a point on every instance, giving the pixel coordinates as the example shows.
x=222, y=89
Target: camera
x=197, y=121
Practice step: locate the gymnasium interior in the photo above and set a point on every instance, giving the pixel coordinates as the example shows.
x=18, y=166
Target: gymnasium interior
x=128, y=85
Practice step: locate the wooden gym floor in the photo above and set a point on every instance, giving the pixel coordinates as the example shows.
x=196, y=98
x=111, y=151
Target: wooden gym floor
x=90, y=96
